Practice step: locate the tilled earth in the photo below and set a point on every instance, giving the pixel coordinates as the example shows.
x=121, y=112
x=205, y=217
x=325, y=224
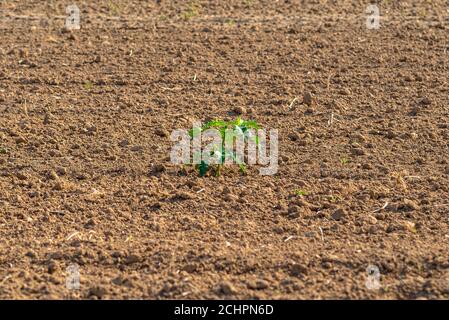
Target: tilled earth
x=85, y=127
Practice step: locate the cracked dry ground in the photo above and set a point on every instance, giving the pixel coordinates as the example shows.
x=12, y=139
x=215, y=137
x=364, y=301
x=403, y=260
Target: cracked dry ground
x=84, y=137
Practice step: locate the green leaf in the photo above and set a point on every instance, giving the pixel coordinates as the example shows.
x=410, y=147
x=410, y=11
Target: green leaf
x=238, y=121
x=203, y=167
x=194, y=132
x=88, y=85
x=214, y=124
x=301, y=193
x=218, y=172
x=251, y=124
x=238, y=131
x=239, y=127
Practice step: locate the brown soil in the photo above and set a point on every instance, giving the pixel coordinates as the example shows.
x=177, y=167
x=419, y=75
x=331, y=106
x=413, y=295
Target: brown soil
x=84, y=137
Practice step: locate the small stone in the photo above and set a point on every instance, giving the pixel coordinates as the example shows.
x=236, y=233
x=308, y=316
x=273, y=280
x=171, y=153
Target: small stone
x=296, y=211
x=72, y=37
x=372, y=230
x=190, y=268
x=136, y=148
x=380, y=216
x=132, y=258
x=294, y=136
x=307, y=98
x=59, y=185
x=20, y=140
x=53, y=175
x=338, y=214
x=21, y=176
x=309, y=111
x=227, y=288
x=278, y=230
x=53, y=153
x=372, y=219
x=97, y=291
x=55, y=256
x=345, y=92
x=294, y=215
x=231, y=197
x=31, y=254
x=367, y=166
x=408, y=226
x=89, y=224
x=122, y=281
x=425, y=101
x=47, y=118
x=52, y=267
x=358, y=151
x=226, y=190
x=183, y=195
x=116, y=254
x=391, y=135
x=297, y=269
x=123, y=143
x=258, y=284
x=358, y=137
x=239, y=110
x=17, y=198
x=61, y=171
x=112, y=157
x=161, y=132
x=284, y=159
x=303, y=203
x=282, y=208
x=413, y=111
x=91, y=129
x=310, y=234
x=158, y=168
x=392, y=227
x=408, y=205
x=117, y=281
